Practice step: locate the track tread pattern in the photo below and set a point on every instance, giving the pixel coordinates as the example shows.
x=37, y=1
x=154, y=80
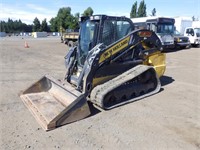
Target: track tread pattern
x=100, y=91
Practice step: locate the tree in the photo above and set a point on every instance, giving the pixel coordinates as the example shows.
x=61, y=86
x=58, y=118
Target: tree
x=3, y=26
x=14, y=26
x=133, y=13
x=142, y=9
x=153, y=12
x=10, y=25
x=75, y=22
x=63, y=17
x=193, y=18
x=64, y=20
x=54, y=25
x=88, y=12
x=44, y=26
x=36, y=25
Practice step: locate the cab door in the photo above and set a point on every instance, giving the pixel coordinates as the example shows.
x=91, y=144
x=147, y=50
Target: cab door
x=190, y=33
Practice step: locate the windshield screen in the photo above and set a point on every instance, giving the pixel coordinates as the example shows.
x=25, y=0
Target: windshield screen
x=177, y=33
x=197, y=31
x=165, y=28
x=86, y=39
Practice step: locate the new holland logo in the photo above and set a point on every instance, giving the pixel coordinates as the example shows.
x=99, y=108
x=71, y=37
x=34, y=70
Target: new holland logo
x=114, y=49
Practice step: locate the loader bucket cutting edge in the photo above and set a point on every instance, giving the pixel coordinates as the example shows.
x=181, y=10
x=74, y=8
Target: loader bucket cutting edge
x=54, y=104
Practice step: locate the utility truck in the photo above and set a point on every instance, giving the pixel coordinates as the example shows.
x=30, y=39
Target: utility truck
x=70, y=37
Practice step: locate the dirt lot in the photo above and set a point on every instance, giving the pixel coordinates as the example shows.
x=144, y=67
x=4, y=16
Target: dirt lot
x=167, y=120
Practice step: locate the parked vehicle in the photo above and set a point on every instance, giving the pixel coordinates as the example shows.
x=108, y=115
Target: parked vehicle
x=180, y=40
x=39, y=34
x=162, y=26
x=188, y=28
x=70, y=37
x=194, y=35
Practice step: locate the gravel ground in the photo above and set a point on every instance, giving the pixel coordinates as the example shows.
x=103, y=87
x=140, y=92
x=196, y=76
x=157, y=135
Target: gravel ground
x=167, y=120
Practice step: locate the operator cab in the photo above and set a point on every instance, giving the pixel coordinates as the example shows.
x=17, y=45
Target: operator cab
x=100, y=29
x=95, y=30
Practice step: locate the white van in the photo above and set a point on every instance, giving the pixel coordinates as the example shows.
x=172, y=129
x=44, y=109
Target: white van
x=193, y=34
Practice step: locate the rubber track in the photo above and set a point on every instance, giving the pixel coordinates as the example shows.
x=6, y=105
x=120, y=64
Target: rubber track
x=99, y=92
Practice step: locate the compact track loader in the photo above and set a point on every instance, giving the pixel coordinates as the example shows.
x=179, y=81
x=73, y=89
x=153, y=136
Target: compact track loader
x=112, y=65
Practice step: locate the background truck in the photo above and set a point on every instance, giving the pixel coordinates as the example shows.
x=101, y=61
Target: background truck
x=70, y=37
x=188, y=28
x=194, y=35
x=180, y=40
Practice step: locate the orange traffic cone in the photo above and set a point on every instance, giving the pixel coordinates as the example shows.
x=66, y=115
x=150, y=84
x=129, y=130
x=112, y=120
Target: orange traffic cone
x=26, y=45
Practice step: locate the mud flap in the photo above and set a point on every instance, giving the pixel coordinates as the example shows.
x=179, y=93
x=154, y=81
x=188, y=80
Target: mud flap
x=54, y=104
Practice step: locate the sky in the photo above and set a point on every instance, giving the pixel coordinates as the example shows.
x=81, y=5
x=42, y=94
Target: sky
x=27, y=10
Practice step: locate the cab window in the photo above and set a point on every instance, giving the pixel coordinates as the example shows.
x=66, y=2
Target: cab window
x=114, y=30
x=190, y=31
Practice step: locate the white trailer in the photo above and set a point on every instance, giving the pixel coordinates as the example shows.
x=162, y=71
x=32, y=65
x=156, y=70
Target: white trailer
x=181, y=23
x=196, y=24
x=2, y=34
x=39, y=34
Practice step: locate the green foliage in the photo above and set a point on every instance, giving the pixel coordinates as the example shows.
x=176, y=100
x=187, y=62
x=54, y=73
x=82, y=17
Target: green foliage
x=54, y=25
x=193, y=18
x=133, y=13
x=14, y=26
x=142, y=9
x=75, y=23
x=44, y=26
x=88, y=12
x=64, y=20
x=36, y=25
x=64, y=17
x=153, y=12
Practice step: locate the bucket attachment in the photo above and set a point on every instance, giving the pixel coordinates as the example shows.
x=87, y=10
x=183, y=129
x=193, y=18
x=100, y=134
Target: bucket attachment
x=54, y=104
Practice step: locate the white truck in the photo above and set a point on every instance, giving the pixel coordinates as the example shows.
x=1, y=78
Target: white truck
x=194, y=35
x=188, y=28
